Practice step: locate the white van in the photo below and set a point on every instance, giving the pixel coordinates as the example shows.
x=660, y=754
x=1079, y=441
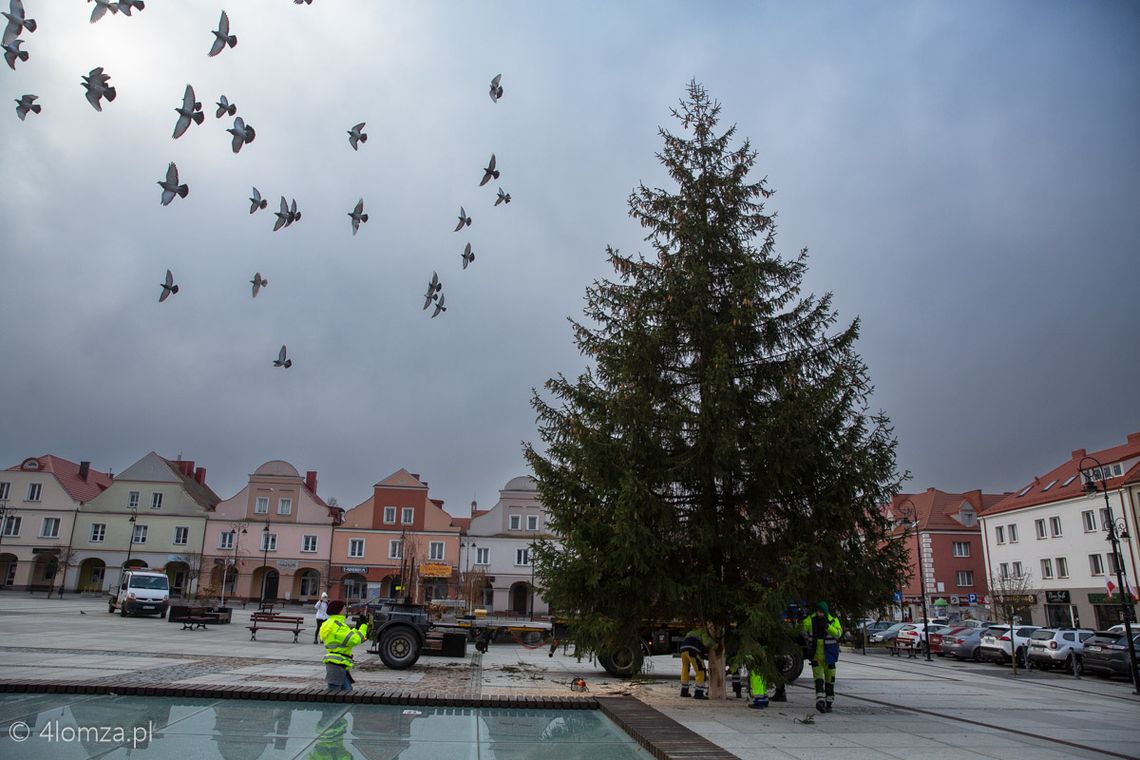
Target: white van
x=141, y=592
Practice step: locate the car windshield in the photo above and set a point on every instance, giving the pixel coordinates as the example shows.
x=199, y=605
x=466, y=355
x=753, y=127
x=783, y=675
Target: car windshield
x=1104, y=637
x=149, y=581
x=898, y=626
x=997, y=630
x=1043, y=634
x=937, y=628
x=1023, y=632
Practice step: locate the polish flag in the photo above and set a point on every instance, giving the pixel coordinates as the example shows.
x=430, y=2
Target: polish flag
x=1109, y=585
x=1131, y=593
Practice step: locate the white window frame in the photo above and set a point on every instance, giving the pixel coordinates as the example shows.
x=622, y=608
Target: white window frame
x=1096, y=564
x=261, y=505
x=1018, y=570
x=522, y=557
x=964, y=578
x=35, y=492
x=1012, y=531
x=408, y=516
x=285, y=506
x=999, y=534
x=1062, y=566
x=185, y=535
x=1041, y=528
x=515, y=522
x=54, y=522
x=133, y=500
x=305, y=543
x=961, y=548
x=5, y=490
x=98, y=533
x=1113, y=564
x=1088, y=519
x=532, y=522
x=270, y=539
x=310, y=583
x=226, y=540
x=1046, y=568
x=389, y=515
x=356, y=548
x=435, y=551
x=1055, y=526
x=1003, y=571
x=1104, y=518
x=482, y=555
x=138, y=535
x=156, y=500
x=11, y=527
x=396, y=548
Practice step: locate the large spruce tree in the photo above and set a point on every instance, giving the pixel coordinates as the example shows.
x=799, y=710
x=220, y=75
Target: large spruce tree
x=716, y=460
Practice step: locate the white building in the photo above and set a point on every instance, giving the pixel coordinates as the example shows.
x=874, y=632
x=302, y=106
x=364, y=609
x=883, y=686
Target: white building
x=1055, y=533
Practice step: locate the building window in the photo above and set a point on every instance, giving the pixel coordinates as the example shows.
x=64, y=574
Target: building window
x=435, y=550
x=961, y=549
x=532, y=522
x=310, y=582
x=1012, y=530
x=1052, y=483
x=5, y=490
x=1055, y=526
x=50, y=528
x=1039, y=526
x=181, y=536
x=226, y=540
x=408, y=515
x=396, y=549
x=390, y=515
x=965, y=578
x=285, y=506
x=356, y=548
x=308, y=543
x=1088, y=517
x=98, y=532
x=139, y=535
x=1017, y=573
x=1096, y=564
x=156, y=501
x=522, y=556
x=11, y=526
x=1046, y=568
x=34, y=490
x=261, y=505
x=133, y=500
x=268, y=542
x=516, y=522
x=999, y=534
x=1004, y=570
x=1062, y=567
x=482, y=556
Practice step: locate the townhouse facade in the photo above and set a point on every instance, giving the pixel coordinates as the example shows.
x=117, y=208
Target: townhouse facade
x=948, y=536
x=151, y=516
x=1051, y=536
x=40, y=499
x=272, y=540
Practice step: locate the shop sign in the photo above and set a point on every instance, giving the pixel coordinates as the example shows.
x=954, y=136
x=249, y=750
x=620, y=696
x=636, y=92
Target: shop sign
x=287, y=564
x=435, y=570
x=353, y=569
x=1103, y=598
x=1057, y=597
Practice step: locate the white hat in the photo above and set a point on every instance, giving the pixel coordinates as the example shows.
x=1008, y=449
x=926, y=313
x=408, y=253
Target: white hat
x=324, y=595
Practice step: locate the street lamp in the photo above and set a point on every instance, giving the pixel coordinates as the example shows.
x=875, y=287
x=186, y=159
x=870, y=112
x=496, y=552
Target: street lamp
x=225, y=568
x=1116, y=531
x=5, y=510
x=264, y=561
x=467, y=543
x=130, y=539
x=912, y=514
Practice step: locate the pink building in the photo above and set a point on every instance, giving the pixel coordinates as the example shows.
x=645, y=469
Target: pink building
x=273, y=539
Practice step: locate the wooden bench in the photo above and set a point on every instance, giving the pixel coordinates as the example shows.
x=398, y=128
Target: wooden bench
x=258, y=618
x=198, y=617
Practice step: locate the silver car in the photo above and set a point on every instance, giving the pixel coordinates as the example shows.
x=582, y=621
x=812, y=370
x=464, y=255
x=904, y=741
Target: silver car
x=1057, y=647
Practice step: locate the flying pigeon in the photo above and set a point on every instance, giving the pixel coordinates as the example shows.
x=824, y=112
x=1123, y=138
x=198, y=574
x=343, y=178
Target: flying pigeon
x=12, y=52
x=190, y=110
x=464, y=220
x=281, y=361
x=258, y=282
x=225, y=107
x=222, y=36
x=489, y=172
x=358, y=216
x=17, y=22
x=242, y=132
x=26, y=103
x=294, y=214
x=168, y=287
x=467, y=256
x=170, y=186
x=433, y=288
x=496, y=89
x=503, y=197
x=439, y=307
x=126, y=5
x=287, y=215
x=96, y=85
x=356, y=135
x=302, y=2
x=101, y=8
x=256, y=201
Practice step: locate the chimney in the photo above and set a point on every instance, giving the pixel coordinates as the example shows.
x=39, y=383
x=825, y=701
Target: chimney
x=311, y=481
x=200, y=475
x=1078, y=454
x=84, y=469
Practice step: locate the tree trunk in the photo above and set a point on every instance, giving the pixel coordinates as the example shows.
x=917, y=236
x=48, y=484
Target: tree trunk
x=716, y=683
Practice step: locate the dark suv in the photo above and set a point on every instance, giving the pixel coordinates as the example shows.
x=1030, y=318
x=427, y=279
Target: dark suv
x=1107, y=653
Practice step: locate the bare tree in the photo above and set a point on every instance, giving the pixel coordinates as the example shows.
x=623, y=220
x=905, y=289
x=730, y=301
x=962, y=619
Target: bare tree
x=193, y=562
x=1011, y=599
x=64, y=558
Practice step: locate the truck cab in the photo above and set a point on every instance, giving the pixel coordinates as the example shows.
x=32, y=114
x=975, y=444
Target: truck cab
x=141, y=592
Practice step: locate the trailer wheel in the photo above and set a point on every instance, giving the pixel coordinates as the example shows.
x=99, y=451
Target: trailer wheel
x=789, y=661
x=399, y=647
x=623, y=661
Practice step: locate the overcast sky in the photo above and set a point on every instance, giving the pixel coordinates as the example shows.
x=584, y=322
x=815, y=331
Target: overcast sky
x=966, y=176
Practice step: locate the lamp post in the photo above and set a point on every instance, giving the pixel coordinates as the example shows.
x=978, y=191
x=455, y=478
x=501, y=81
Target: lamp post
x=264, y=561
x=5, y=510
x=130, y=540
x=1115, y=533
x=912, y=514
x=225, y=568
x=468, y=544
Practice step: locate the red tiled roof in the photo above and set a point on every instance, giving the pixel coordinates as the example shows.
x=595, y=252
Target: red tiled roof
x=463, y=523
x=1064, y=481
x=937, y=510
x=67, y=473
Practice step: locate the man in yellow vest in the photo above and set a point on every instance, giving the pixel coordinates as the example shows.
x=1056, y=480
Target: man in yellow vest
x=340, y=638
x=822, y=631
x=694, y=649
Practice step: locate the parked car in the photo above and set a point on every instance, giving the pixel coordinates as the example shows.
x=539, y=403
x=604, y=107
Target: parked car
x=1106, y=654
x=914, y=634
x=888, y=635
x=935, y=638
x=964, y=645
x=997, y=646
x=854, y=633
x=1057, y=647
x=971, y=623
x=1118, y=628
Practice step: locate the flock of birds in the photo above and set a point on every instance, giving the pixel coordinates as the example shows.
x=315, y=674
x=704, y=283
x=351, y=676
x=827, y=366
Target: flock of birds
x=98, y=89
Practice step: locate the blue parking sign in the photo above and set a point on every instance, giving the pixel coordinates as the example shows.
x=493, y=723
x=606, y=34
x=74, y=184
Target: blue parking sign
x=972, y=598
x=898, y=596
